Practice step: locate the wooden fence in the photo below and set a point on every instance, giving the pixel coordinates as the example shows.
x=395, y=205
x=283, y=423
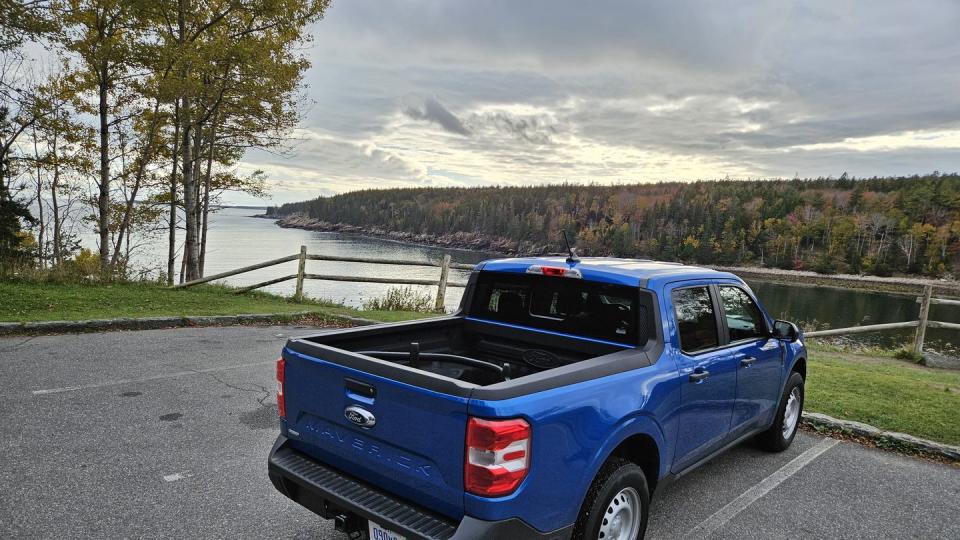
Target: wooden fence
x=921, y=324
x=441, y=283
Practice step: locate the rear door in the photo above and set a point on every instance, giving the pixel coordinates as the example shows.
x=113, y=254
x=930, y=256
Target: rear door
x=707, y=372
x=412, y=440
x=758, y=357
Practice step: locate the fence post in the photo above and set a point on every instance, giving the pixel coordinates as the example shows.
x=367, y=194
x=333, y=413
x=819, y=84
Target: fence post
x=924, y=315
x=301, y=268
x=442, y=287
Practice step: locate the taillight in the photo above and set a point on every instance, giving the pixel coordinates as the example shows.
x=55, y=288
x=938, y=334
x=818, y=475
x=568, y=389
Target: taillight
x=497, y=457
x=281, y=402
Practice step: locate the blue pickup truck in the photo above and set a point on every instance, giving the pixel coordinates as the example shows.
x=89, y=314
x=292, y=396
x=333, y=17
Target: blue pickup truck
x=552, y=404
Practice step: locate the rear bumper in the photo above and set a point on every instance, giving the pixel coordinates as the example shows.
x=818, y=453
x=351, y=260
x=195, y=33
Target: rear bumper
x=330, y=493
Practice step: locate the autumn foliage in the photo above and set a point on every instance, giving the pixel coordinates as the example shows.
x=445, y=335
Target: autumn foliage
x=878, y=226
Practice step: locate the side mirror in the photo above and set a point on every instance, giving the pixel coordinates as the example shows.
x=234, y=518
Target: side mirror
x=786, y=330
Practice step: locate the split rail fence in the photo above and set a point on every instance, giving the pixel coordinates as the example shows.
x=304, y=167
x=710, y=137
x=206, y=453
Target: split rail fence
x=441, y=283
x=921, y=324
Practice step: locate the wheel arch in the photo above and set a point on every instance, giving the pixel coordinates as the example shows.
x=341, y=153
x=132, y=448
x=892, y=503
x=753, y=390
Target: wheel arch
x=641, y=449
x=800, y=366
x=639, y=440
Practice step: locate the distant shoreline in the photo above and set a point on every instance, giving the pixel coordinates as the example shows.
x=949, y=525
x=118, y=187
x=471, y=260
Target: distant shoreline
x=458, y=240
x=502, y=246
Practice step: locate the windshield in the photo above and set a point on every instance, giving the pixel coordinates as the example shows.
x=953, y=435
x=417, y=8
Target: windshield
x=568, y=305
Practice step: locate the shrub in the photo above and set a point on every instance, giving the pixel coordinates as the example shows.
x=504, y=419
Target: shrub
x=85, y=265
x=908, y=354
x=401, y=299
x=825, y=265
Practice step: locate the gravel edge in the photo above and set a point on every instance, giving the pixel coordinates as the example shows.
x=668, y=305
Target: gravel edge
x=884, y=439
x=151, y=323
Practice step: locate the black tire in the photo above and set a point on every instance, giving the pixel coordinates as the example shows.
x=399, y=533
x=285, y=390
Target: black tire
x=615, y=475
x=773, y=439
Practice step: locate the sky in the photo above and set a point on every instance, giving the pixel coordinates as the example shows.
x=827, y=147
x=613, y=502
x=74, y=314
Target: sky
x=422, y=93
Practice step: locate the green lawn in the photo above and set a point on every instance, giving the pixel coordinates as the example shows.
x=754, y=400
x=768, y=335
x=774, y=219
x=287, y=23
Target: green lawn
x=27, y=302
x=890, y=394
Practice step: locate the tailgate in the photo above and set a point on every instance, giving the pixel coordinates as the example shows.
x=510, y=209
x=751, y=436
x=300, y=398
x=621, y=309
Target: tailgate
x=413, y=446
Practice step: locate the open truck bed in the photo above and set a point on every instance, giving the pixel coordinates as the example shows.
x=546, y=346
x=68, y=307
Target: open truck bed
x=458, y=355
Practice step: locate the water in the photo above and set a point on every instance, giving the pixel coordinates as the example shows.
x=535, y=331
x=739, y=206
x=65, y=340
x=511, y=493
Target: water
x=834, y=307
x=237, y=240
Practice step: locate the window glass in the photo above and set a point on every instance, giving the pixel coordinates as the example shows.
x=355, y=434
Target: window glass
x=744, y=320
x=696, y=321
x=572, y=306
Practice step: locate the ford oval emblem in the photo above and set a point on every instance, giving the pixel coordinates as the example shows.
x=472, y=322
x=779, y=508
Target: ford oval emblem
x=360, y=416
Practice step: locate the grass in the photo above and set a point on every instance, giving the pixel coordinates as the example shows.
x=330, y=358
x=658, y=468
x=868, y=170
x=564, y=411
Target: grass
x=890, y=394
x=30, y=302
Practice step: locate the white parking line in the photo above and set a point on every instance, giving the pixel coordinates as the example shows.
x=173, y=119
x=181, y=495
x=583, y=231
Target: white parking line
x=144, y=379
x=177, y=476
x=724, y=515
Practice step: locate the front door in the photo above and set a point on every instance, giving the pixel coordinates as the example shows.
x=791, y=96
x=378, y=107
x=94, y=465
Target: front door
x=707, y=375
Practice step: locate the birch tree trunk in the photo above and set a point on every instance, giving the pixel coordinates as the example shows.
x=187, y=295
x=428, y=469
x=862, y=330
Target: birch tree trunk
x=191, y=254
x=103, y=199
x=172, y=233
x=41, y=222
x=206, y=193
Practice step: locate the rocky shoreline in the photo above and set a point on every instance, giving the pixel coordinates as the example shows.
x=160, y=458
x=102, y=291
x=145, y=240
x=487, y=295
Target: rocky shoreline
x=457, y=240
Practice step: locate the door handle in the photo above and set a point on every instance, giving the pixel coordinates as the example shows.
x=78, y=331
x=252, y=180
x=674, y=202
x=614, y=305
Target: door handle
x=747, y=362
x=698, y=376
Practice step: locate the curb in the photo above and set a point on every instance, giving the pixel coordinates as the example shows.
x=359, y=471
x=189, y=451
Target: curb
x=884, y=439
x=152, y=323
x=358, y=321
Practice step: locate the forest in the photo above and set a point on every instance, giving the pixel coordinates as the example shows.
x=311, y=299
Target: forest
x=878, y=226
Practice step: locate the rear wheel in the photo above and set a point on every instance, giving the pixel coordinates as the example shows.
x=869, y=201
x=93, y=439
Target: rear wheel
x=616, y=504
x=780, y=435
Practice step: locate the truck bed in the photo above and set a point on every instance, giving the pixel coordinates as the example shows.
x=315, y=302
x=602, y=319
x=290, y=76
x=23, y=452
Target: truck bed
x=471, y=351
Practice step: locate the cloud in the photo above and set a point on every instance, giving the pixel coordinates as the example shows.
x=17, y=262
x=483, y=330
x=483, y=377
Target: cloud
x=434, y=111
x=425, y=92
x=534, y=130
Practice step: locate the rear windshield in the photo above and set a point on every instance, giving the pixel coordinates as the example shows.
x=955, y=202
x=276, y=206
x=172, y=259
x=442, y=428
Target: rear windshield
x=559, y=304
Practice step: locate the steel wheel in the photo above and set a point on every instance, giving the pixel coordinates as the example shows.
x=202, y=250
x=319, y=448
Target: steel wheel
x=791, y=413
x=621, y=520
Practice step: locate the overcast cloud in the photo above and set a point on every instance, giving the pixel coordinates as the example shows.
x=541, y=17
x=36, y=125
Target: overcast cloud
x=451, y=93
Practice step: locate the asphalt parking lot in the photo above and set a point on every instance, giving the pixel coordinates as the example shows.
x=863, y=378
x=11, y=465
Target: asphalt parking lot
x=165, y=433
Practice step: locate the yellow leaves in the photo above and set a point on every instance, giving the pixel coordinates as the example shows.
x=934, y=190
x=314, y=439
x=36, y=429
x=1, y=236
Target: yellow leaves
x=923, y=230
x=691, y=242
x=26, y=240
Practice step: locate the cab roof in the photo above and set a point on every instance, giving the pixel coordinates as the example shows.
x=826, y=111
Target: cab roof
x=631, y=272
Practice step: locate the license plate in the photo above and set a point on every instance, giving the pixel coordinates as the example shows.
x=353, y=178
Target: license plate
x=379, y=533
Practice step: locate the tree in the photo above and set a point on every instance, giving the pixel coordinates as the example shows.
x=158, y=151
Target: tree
x=18, y=114
x=22, y=20
x=13, y=214
x=221, y=51
x=19, y=21
x=100, y=36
